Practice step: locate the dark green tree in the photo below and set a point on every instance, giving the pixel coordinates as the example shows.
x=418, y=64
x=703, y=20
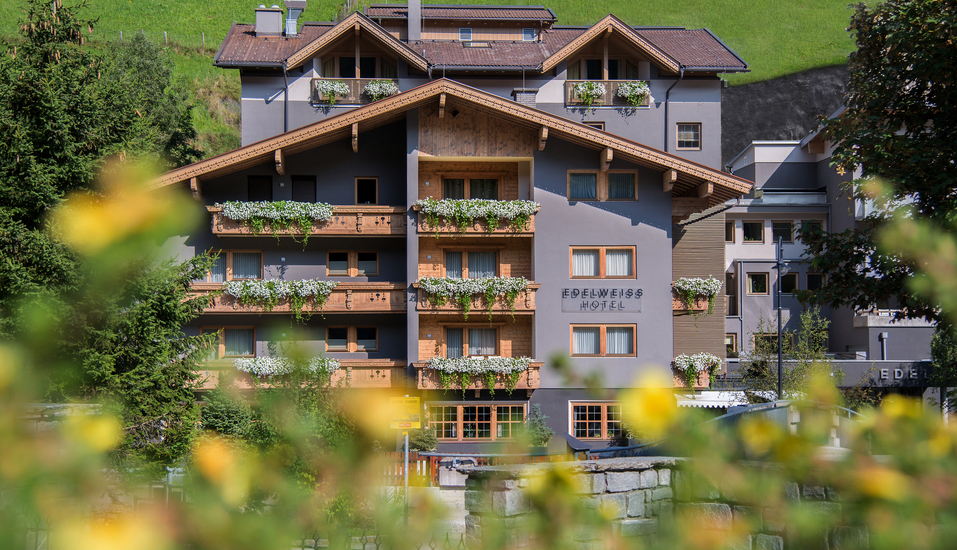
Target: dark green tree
x=899, y=127
x=943, y=355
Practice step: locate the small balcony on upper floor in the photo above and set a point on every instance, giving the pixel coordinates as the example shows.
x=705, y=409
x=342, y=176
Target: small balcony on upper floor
x=351, y=373
x=344, y=220
x=352, y=91
x=523, y=302
x=345, y=297
x=605, y=93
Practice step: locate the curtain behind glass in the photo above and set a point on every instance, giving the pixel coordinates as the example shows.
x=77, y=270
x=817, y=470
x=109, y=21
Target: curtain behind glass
x=387, y=69
x=618, y=263
x=455, y=189
x=585, y=341
x=484, y=189
x=239, y=341
x=453, y=342
x=453, y=264
x=584, y=263
x=247, y=265
x=583, y=186
x=217, y=273
x=481, y=265
x=621, y=185
x=619, y=341
x=482, y=341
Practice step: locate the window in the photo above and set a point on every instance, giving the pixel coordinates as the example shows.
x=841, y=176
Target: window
x=345, y=67
x=304, y=188
x=472, y=188
x=466, y=341
x=352, y=264
x=352, y=339
x=233, y=265
x=597, y=124
x=602, y=262
x=259, y=188
x=789, y=283
x=757, y=283
x=783, y=231
x=603, y=340
x=596, y=420
x=731, y=290
x=232, y=342
x=612, y=185
x=471, y=264
x=367, y=191
x=479, y=421
x=465, y=34
x=815, y=281
x=731, y=345
x=592, y=69
x=528, y=35
x=753, y=232
x=689, y=136
x=729, y=232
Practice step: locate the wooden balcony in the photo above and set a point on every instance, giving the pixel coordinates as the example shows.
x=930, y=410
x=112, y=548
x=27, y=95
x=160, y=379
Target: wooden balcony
x=346, y=220
x=347, y=297
x=355, y=96
x=429, y=379
x=524, y=303
x=352, y=373
x=609, y=99
x=679, y=305
x=477, y=228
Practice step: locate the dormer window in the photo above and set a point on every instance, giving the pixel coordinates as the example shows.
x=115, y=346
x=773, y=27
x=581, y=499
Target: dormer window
x=465, y=34
x=528, y=35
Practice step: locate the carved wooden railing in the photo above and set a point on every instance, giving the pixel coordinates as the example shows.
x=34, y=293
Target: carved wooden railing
x=608, y=99
x=476, y=228
x=524, y=302
x=429, y=379
x=352, y=373
x=355, y=85
x=346, y=297
x=346, y=220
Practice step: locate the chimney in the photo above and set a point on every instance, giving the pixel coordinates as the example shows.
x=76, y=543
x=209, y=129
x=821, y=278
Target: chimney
x=415, y=20
x=294, y=9
x=268, y=21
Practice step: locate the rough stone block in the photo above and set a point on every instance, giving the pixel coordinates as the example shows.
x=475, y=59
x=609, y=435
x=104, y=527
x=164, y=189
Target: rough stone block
x=850, y=538
x=812, y=492
x=662, y=493
x=473, y=531
x=830, y=510
x=620, y=482
x=666, y=517
x=649, y=479
x=636, y=504
x=832, y=494
x=768, y=542
x=739, y=542
x=591, y=483
x=706, y=515
x=478, y=501
x=586, y=533
x=682, y=485
x=590, y=502
x=614, y=506
x=773, y=520
x=746, y=518
x=523, y=482
x=664, y=477
x=509, y=503
x=792, y=491
x=638, y=527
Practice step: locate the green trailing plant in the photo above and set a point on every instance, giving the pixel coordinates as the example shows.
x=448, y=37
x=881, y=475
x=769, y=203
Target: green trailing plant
x=464, y=370
x=269, y=293
x=464, y=212
x=441, y=290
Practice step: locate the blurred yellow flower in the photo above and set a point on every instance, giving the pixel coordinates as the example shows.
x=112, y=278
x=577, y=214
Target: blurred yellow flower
x=222, y=466
x=100, y=433
x=882, y=482
x=123, y=533
x=651, y=407
x=898, y=406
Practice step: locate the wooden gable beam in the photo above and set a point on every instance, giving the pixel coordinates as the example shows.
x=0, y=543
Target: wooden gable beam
x=442, y=105
x=280, y=159
x=706, y=189
x=668, y=179
x=542, y=136
x=606, y=156
x=196, y=188
x=355, y=137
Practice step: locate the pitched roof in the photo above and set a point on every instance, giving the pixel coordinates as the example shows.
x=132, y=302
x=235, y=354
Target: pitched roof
x=357, y=21
x=471, y=13
x=610, y=23
x=699, y=49
x=242, y=48
x=690, y=175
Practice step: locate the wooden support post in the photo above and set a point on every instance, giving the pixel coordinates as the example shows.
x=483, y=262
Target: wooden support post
x=606, y=156
x=705, y=189
x=668, y=180
x=355, y=137
x=542, y=136
x=442, y=105
x=604, y=59
x=196, y=188
x=357, y=51
x=280, y=162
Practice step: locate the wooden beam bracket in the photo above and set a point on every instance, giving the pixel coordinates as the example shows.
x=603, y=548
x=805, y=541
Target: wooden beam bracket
x=542, y=136
x=196, y=188
x=668, y=179
x=280, y=159
x=606, y=157
x=355, y=137
x=442, y=105
x=705, y=190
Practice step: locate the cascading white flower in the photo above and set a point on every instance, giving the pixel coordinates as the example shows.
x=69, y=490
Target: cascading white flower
x=634, y=92
x=274, y=290
x=691, y=366
x=478, y=209
x=690, y=287
x=479, y=365
x=288, y=211
x=378, y=89
x=272, y=366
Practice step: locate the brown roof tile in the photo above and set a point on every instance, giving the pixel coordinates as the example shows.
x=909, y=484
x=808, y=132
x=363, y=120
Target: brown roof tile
x=525, y=13
x=499, y=54
x=693, y=48
x=242, y=47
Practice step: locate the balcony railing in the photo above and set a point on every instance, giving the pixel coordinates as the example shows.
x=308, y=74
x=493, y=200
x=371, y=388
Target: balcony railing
x=678, y=304
x=355, y=96
x=478, y=227
x=609, y=99
x=352, y=373
x=346, y=220
x=524, y=302
x=429, y=379
x=347, y=297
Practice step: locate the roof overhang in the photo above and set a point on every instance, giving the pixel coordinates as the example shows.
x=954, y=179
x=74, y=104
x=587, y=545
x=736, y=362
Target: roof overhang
x=611, y=24
x=688, y=177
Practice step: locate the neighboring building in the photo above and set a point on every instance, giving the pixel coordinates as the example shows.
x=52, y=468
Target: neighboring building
x=796, y=184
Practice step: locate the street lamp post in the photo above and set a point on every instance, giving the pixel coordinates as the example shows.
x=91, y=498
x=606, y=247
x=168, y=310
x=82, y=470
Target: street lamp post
x=781, y=269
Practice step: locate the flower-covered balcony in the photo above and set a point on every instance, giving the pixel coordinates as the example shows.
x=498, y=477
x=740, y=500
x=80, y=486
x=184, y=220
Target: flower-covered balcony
x=352, y=91
x=476, y=216
x=496, y=374
x=288, y=218
x=345, y=373
x=514, y=295
x=607, y=93
x=302, y=297
x=694, y=294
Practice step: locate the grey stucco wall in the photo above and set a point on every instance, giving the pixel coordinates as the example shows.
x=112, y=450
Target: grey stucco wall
x=785, y=176
x=412, y=237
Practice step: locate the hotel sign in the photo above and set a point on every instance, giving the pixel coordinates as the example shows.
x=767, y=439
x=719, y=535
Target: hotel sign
x=601, y=298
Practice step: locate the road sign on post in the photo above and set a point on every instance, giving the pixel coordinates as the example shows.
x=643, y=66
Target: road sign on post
x=405, y=414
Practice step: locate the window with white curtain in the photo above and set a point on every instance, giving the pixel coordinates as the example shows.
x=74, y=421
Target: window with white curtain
x=453, y=264
x=603, y=340
x=454, y=343
x=583, y=186
x=601, y=262
x=247, y=265
x=586, y=340
x=474, y=264
x=239, y=342
x=217, y=273
x=483, y=341
x=619, y=341
x=481, y=265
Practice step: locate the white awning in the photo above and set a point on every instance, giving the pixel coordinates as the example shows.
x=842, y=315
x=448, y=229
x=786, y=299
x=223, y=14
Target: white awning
x=712, y=399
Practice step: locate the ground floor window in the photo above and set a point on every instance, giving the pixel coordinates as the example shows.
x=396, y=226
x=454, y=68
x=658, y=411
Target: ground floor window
x=483, y=422
x=596, y=420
